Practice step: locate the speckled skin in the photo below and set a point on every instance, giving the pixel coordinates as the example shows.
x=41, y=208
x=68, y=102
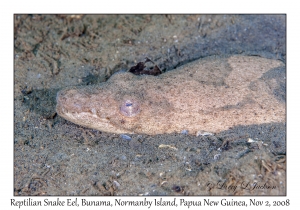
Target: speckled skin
x=211, y=94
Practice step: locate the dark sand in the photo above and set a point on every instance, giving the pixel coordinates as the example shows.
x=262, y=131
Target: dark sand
x=55, y=157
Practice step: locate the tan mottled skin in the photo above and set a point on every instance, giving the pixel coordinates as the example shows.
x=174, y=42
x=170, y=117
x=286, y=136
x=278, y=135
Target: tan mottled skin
x=211, y=94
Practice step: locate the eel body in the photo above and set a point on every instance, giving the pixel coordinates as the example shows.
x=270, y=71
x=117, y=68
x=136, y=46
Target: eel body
x=211, y=94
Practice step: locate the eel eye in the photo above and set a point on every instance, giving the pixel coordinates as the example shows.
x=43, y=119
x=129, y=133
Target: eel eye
x=130, y=108
x=128, y=104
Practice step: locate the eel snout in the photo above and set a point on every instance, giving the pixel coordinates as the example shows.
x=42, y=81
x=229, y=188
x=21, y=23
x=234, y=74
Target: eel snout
x=66, y=102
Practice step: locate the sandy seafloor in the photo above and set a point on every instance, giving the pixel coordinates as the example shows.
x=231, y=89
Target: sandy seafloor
x=55, y=157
